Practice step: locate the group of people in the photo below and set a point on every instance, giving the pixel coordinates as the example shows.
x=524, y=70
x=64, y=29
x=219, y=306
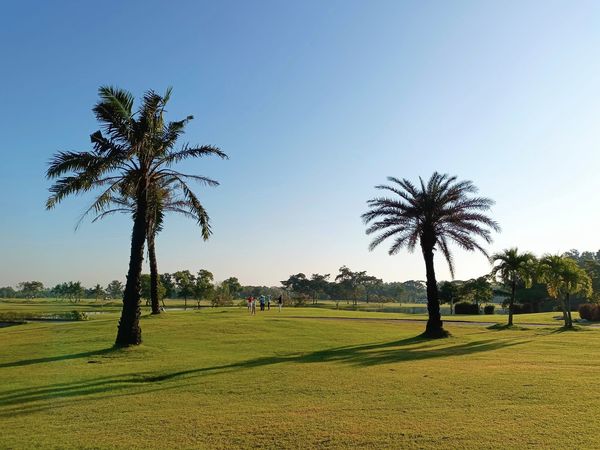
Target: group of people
x=263, y=300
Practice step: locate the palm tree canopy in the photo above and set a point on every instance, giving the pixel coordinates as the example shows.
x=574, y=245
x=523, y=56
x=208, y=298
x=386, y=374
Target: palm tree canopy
x=133, y=150
x=435, y=213
x=162, y=198
x=563, y=276
x=512, y=266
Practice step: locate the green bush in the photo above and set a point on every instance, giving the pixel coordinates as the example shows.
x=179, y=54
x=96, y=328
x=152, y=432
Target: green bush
x=522, y=308
x=466, y=308
x=77, y=315
x=221, y=300
x=300, y=301
x=489, y=309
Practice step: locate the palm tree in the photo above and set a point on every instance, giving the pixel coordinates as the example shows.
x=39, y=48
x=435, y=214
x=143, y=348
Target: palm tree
x=514, y=267
x=162, y=198
x=133, y=148
x=563, y=278
x=431, y=215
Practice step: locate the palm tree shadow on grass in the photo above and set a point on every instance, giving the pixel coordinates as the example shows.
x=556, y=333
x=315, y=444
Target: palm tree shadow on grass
x=40, y=398
x=27, y=362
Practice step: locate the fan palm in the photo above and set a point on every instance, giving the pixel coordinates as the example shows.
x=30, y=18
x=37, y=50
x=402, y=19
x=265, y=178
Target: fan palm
x=133, y=148
x=162, y=198
x=432, y=214
x=512, y=268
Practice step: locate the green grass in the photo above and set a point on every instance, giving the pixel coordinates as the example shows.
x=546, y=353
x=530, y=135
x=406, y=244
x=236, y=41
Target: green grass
x=223, y=379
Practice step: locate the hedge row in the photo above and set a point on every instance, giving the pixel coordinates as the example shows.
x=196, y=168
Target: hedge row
x=466, y=308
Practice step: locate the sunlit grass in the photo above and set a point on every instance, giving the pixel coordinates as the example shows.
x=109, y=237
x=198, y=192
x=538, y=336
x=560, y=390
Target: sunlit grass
x=223, y=379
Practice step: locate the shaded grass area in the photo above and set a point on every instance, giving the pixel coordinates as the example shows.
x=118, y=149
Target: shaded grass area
x=223, y=379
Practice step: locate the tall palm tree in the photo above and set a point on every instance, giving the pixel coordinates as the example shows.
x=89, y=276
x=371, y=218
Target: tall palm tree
x=513, y=268
x=164, y=197
x=563, y=278
x=432, y=214
x=133, y=148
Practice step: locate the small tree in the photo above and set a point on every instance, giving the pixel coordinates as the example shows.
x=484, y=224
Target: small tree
x=114, y=289
x=185, y=283
x=349, y=282
x=318, y=284
x=563, y=278
x=449, y=292
x=222, y=296
x=167, y=282
x=98, y=292
x=513, y=267
x=477, y=291
x=234, y=286
x=203, y=286
x=31, y=289
x=297, y=284
x=146, y=282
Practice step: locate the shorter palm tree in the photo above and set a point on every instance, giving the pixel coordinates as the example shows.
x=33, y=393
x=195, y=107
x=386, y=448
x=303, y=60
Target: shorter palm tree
x=563, y=278
x=162, y=198
x=513, y=267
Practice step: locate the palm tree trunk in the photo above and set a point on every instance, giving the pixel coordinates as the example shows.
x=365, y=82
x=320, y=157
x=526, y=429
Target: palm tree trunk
x=129, y=331
x=153, y=275
x=512, y=302
x=564, y=311
x=434, y=328
x=569, y=323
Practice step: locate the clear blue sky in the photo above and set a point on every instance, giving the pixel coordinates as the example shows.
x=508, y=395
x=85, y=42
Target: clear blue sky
x=315, y=102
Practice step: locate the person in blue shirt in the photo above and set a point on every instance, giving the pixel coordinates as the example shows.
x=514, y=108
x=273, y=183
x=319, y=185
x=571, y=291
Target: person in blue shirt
x=262, y=302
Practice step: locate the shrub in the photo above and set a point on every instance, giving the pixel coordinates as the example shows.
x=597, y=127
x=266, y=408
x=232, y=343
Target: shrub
x=221, y=300
x=522, y=308
x=489, y=309
x=590, y=311
x=77, y=315
x=301, y=301
x=466, y=308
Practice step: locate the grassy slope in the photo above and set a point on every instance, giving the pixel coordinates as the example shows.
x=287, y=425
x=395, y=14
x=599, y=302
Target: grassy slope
x=224, y=379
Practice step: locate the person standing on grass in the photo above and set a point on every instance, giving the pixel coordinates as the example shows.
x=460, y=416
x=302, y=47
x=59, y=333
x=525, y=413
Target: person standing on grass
x=249, y=300
x=253, y=306
x=279, y=302
x=268, y=303
x=262, y=302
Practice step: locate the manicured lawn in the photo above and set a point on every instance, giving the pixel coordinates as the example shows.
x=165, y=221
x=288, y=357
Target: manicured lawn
x=222, y=379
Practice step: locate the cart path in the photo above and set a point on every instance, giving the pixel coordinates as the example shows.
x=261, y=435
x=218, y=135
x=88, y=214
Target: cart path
x=454, y=322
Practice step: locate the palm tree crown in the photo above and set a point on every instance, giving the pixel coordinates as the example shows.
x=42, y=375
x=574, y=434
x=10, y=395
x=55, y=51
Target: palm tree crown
x=563, y=277
x=432, y=214
x=513, y=266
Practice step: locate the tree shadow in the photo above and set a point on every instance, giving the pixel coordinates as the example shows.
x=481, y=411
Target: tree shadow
x=27, y=362
x=565, y=329
x=39, y=398
x=504, y=326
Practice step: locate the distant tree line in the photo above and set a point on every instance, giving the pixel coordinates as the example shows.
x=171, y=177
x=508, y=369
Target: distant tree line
x=538, y=285
x=351, y=286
